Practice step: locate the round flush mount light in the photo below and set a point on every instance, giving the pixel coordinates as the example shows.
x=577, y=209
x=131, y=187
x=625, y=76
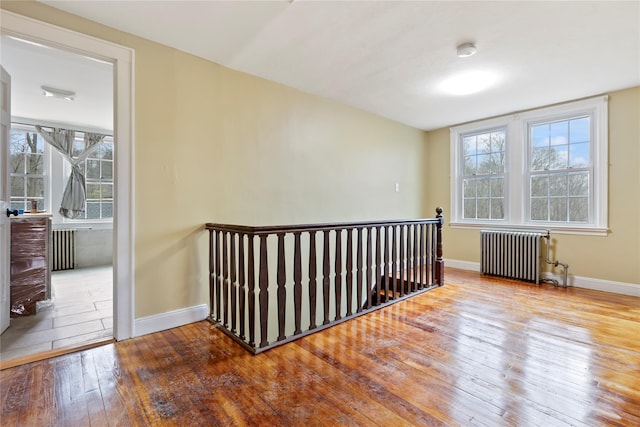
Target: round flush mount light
x=466, y=49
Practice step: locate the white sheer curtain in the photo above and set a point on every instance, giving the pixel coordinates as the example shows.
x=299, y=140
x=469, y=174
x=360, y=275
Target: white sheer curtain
x=63, y=140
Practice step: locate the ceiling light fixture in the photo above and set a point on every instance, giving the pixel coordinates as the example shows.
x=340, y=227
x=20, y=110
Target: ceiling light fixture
x=468, y=82
x=466, y=49
x=58, y=93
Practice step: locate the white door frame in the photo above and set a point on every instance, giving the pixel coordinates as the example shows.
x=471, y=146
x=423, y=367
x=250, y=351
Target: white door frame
x=5, y=201
x=123, y=134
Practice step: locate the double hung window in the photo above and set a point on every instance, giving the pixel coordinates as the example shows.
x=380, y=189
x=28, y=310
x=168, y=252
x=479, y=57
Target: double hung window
x=545, y=168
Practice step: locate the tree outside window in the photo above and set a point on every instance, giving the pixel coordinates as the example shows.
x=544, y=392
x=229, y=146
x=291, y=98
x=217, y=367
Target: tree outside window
x=27, y=169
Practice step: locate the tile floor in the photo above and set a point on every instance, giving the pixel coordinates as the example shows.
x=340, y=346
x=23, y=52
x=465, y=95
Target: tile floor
x=80, y=312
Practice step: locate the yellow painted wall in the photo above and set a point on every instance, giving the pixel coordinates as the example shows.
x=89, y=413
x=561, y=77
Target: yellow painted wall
x=615, y=257
x=216, y=145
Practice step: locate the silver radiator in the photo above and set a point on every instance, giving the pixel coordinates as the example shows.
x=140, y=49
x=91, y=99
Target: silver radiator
x=512, y=254
x=63, y=245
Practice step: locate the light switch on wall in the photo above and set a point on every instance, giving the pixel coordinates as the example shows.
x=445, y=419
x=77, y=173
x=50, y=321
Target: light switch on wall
x=397, y=187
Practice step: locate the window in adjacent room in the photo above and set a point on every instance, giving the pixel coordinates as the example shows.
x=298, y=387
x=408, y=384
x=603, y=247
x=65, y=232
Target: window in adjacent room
x=98, y=173
x=28, y=171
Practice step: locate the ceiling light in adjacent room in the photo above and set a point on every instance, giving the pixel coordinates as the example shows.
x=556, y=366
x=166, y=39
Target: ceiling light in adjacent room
x=466, y=49
x=58, y=93
x=468, y=82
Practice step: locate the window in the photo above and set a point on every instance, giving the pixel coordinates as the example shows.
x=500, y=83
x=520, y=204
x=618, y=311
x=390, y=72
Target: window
x=98, y=172
x=545, y=168
x=27, y=168
x=483, y=174
x=560, y=170
x=37, y=173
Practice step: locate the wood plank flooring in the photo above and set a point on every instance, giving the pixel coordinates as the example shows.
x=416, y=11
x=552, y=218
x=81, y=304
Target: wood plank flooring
x=478, y=351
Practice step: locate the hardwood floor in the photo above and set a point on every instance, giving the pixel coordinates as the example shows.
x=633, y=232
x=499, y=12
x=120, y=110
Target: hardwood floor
x=477, y=351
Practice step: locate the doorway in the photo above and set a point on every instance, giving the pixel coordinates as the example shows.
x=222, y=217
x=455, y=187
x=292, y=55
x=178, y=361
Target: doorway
x=122, y=58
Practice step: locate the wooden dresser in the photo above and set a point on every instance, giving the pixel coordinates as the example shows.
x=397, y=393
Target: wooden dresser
x=30, y=280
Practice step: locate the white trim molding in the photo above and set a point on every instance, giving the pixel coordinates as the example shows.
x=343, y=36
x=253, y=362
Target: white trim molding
x=170, y=319
x=123, y=60
x=517, y=174
x=631, y=289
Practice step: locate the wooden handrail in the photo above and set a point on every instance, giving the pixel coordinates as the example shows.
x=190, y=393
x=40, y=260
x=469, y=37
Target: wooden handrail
x=274, y=229
x=363, y=266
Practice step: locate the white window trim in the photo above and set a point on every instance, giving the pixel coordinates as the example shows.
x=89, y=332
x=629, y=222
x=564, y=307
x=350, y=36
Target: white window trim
x=516, y=185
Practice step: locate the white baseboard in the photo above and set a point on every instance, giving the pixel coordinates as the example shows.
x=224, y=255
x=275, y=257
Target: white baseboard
x=170, y=319
x=462, y=265
x=622, y=288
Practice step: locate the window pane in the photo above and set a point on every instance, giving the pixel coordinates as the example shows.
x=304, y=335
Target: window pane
x=558, y=185
x=579, y=155
x=107, y=210
x=469, y=188
x=579, y=209
x=18, y=163
x=93, y=169
x=106, y=151
x=558, y=157
x=497, y=209
x=539, y=209
x=579, y=130
x=35, y=164
x=469, y=145
x=579, y=184
x=540, y=136
x=93, y=191
x=107, y=170
x=484, y=143
x=497, y=187
x=540, y=185
x=35, y=187
x=540, y=159
x=483, y=188
x=469, y=208
x=469, y=165
x=497, y=162
x=483, y=208
x=93, y=210
x=559, y=132
x=17, y=186
x=558, y=209
x=107, y=191
x=497, y=141
x=484, y=163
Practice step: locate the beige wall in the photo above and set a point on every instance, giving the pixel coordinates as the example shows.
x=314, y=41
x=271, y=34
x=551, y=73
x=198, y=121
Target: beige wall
x=615, y=257
x=217, y=145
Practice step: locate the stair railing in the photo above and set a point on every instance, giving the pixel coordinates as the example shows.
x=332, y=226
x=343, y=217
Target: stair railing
x=271, y=285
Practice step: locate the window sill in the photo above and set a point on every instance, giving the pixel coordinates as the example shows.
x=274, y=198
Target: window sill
x=586, y=231
x=84, y=225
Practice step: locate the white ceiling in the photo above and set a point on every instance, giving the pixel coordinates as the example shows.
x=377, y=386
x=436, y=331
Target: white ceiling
x=32, y=66
x=390, y=57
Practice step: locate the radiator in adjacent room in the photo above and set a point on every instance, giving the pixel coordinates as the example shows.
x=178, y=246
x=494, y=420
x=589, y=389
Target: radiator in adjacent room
x=63, y=245
x=512, y=254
